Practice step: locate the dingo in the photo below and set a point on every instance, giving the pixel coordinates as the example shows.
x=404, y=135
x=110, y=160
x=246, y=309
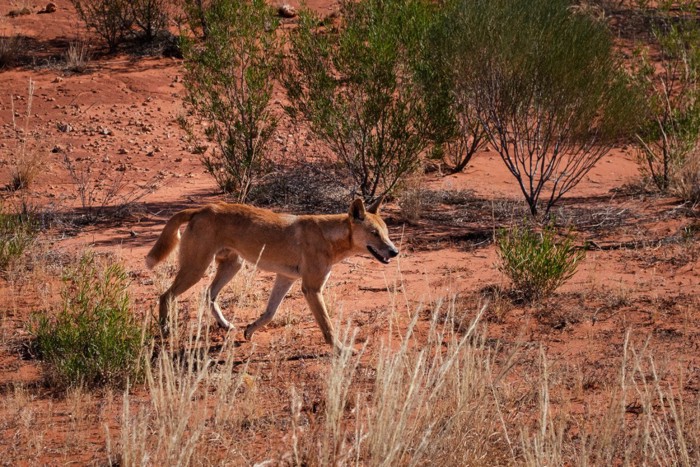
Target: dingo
x=292, y=246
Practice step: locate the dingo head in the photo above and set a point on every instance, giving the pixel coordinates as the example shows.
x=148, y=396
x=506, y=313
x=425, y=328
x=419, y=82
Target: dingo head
x=369, y=231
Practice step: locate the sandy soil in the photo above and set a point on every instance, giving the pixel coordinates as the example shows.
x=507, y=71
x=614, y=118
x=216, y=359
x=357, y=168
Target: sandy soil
x=120, y=118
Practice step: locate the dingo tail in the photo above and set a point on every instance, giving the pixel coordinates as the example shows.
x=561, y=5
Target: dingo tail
x=169, y=237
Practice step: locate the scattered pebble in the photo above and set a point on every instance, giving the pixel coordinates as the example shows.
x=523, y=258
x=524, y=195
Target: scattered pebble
x=286, y=11
x=64, y=127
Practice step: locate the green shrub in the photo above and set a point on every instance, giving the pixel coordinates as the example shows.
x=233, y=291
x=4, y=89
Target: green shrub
x=17, y=233
x=229, y=78
x=110, y=19
x=94, y=340
x=535, y=262
x=150, y=16
x=668, y=139
x=354, y=85
x=547, y=86
x=442, y=69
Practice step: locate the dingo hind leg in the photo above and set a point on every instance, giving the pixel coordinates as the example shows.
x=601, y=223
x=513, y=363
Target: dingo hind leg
x=229, y=263
x=279, y=290
x=194, y=260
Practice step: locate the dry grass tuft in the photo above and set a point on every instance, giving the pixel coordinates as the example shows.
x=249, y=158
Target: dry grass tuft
x=77, y=57
x=26, y=160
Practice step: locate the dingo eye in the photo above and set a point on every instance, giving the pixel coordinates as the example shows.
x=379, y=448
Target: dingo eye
x=376, y=233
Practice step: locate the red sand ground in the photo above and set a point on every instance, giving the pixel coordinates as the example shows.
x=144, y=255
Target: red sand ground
x=122, y=113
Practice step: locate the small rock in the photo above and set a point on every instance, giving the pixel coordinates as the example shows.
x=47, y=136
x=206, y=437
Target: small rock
x=286, y=11
x=64, y=127
x=123, y=151
x=57, y=148
x=49, y=8
x=19, y=12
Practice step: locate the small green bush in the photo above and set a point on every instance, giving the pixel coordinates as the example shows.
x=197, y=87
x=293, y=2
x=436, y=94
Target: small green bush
x=110, y=19
x=94, y=340
x=17, y=233
x=535, y=262
x=229, y=78
x=353, y=85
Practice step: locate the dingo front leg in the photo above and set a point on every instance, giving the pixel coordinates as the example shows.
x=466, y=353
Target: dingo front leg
x=279, y=290
x=314, y=297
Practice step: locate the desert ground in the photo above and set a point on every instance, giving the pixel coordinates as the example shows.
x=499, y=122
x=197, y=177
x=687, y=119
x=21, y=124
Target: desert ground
x=621, y=332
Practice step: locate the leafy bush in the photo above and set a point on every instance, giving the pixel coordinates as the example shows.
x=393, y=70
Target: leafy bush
x=354, y=86
x=94, y=340
x=535, y=262
x=547, y=86
x=150, y=16
x=443, y=69
x=17, y=233
x=668, y=139
x=110, y=19
x=229, y=77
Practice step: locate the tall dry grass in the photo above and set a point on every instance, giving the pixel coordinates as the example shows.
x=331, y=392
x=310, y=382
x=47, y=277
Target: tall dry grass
x=647, y=421
x=26, y=160
x=432, y=400
x=431, y=391
x=195, y=390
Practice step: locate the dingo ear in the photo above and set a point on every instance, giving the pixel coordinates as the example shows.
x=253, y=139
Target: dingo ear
x=374, y=207
x=357, y=210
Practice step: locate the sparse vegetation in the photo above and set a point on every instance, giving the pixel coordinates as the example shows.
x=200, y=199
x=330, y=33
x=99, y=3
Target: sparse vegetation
x=26, y=160
x=98, y=192
x=229, y=78
x=687, y=180
x=11, y=47
x=355, y=88
x=95, y=339
x=17, y=233
x=110, y=19
x=413, y=198
x=668, y=142
x=150, y=16
x=537, y=263
x=77, y=56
